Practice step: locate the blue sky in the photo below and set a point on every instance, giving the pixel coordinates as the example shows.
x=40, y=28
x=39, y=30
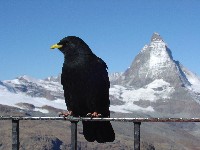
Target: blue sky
x=115, y=30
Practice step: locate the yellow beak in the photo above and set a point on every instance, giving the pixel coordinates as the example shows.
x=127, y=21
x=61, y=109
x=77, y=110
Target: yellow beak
x=56, y=46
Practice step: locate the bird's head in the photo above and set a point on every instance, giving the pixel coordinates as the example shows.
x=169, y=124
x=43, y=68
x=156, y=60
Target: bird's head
x=69, y=43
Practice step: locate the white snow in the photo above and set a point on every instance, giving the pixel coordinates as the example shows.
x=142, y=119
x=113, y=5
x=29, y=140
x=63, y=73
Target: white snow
x=193, y=79
x=41, y=110
x=146, y=93
x=49, y=85
x=25, y=77
x=116, y=91
x=3, y=88
x=126, y=94
x=11, y=99
x=30, y=79
x=115, y=76
x=129, y=107
x=144, y=48
x=158, y=89
x=159, y=57
x=15, y=81
x=158, y=83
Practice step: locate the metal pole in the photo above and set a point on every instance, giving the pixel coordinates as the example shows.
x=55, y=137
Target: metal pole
x=137, y=135
x=104, y=119
x=15, y=134
x=74, y=135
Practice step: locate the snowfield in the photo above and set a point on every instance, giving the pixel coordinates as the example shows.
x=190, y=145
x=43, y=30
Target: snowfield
x=158, y=89
x=12, y=99
x=193, y=79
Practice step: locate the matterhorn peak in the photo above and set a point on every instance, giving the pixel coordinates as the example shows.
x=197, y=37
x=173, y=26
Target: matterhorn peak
x=155, y=61
x=156, y=37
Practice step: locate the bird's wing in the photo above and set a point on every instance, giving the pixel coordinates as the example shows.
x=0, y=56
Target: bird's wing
x=98, y=86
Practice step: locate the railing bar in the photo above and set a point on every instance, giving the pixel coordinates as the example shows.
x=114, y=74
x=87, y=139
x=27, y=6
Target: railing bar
x=104, y=119
x=74, y=121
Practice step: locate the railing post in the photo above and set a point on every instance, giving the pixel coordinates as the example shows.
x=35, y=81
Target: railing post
x=15, y=134
x=137, y=135
x=74, y=135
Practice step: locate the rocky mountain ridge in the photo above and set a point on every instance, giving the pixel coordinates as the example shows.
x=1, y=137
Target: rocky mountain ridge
x=155, y=85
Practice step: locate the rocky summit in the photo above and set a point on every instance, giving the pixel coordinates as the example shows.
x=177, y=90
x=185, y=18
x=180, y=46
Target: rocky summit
x=154, y=61
x=156, y=82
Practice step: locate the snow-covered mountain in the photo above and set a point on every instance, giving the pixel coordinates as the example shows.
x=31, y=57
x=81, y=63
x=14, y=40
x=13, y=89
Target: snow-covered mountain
x=154, y=84
x=154, y=61
x=28, y=93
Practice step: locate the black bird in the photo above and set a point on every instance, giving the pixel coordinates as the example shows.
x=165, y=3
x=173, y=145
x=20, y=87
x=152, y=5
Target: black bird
x=86, y=87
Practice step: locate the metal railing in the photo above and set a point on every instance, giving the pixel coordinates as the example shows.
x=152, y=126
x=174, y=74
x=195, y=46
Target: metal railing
x=74, y=120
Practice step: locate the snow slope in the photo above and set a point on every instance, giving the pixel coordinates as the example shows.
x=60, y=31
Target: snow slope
x=13, y=92
x=12, y=99
x=158, y=89
x=193, y=79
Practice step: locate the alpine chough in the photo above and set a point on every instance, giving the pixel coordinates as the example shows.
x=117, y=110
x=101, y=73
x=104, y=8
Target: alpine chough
x=86, y=87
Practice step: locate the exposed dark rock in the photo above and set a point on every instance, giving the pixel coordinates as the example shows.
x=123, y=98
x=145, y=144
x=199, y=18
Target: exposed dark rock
x=26, y=106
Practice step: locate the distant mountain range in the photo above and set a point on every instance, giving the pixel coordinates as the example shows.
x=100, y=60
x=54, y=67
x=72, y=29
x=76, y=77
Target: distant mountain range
x=155, y=85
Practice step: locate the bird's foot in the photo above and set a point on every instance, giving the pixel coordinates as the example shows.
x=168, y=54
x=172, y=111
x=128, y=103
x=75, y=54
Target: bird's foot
x=94, y=114
x=65, y=114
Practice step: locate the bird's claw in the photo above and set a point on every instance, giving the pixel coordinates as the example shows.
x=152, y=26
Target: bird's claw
x=65, y=114
x=94, y=114
x=89, y=115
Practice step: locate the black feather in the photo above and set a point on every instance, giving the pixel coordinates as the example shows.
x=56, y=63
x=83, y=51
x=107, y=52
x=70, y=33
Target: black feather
x=86, y=87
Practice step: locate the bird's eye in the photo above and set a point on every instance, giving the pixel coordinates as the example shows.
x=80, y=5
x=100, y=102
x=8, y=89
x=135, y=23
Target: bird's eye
x=66, y=43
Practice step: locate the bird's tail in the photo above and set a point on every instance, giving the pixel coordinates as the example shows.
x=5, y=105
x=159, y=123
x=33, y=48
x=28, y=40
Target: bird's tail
x=100, y=131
